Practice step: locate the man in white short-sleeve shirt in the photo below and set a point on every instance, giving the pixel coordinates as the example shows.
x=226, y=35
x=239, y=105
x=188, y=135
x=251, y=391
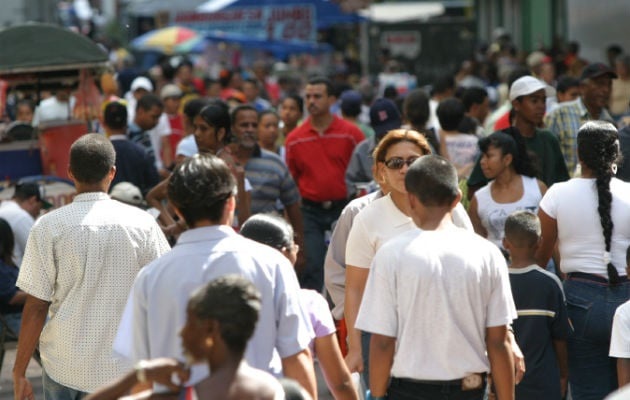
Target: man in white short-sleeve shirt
x=202, y=190
x=437, y=298
x=78, y=268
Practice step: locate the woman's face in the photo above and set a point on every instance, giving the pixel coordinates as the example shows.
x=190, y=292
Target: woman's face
x=268, y=130
x=493, y=162
x=193, y=336
x=289, y=112
x=400, y=153
x=205, y=136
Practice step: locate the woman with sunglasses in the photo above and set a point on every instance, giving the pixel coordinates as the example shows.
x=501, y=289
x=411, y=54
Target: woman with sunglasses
x=513, y=185
x=380, y=221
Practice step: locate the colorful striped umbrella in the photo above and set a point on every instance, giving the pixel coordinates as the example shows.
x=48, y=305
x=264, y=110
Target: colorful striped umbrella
x=174, y=39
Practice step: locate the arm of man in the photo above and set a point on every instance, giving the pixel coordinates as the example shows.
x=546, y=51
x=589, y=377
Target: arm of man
x=356, y=279
x=33, y=319
x=501, y=361
x=560, y=347
x=381, y=360
x=299, y=366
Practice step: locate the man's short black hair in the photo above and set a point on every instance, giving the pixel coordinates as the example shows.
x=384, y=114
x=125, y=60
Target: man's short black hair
x=92, y=156
x=234, y=302
x=473, y=95
x=566, y=82
x=241, y=108
x=450, y=113
x=115, y=116
x=416, y=108
x=200, y=187
x=433, y=181
x=148, y=101
x=322, y=80
x=522, y=228
x=443, y=84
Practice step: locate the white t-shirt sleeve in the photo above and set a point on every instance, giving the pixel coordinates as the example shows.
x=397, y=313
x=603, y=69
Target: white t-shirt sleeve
x=377, y=313
x=549, y=202
x=163, y=127
x=620, y=338
x=359, y=247
x=461, y=218
x=501, y=308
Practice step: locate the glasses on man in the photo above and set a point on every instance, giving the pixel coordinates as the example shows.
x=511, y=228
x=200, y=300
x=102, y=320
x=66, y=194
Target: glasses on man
x=398, y=162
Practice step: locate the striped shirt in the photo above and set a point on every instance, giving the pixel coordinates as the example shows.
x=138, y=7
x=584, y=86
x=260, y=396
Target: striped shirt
x=565, y=121
x=273, y=187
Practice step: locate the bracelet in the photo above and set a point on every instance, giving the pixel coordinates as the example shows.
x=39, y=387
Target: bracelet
x=368, y=396
x=141, y=371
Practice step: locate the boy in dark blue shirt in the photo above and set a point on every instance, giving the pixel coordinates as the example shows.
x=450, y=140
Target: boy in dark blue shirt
x=542, y=326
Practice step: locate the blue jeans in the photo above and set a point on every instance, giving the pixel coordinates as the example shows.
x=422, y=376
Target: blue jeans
x=401, y=389
x=14, y=321
x=316, y=222
x=365, y=349
x=57, y=391
x=591, y=307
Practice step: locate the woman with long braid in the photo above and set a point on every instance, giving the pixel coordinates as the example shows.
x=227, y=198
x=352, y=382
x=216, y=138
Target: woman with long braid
x=589, y=217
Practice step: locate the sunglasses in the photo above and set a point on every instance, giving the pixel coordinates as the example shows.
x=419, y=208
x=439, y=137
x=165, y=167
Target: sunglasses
x=398, y=162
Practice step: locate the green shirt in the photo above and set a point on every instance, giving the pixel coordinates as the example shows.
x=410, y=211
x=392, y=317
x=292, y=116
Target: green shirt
x=549, y=159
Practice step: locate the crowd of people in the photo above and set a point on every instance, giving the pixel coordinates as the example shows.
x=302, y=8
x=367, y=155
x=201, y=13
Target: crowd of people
x=462, y=242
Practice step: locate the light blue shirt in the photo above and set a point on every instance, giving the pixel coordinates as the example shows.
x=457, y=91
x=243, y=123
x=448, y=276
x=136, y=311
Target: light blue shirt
x=156, y=309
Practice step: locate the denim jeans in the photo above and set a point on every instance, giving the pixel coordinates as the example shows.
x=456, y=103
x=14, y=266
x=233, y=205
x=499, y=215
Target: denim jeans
x=591, y=308
x=14, y=321
x=365, y=349
x=404, y=390
x=316, y=222
x=56, y=391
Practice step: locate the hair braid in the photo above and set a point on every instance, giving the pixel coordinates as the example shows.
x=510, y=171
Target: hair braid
x=598, y=150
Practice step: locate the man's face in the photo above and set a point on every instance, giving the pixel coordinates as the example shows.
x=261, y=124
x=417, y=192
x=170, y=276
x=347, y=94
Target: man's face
x=481, y=111
x=24, y=113
x=317, y=100
x=250, y=90
x=148, y=119
x=245, y=128
x=570, y=94
x=32, y=205
x=596, y=91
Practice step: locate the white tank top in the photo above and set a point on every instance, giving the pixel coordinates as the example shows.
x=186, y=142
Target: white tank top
x=493, y=214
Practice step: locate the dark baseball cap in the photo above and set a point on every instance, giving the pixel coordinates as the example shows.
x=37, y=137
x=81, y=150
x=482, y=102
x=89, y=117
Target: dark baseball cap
x=596, y=70
x=26, y=190
x=350, y=102
x=384, y=116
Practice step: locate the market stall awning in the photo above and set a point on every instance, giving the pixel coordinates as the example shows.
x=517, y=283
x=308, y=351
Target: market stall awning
x=40, y=47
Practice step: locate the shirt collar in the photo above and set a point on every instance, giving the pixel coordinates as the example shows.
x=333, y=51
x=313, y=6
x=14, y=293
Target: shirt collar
x=118, y=136
x=91, y=196
x=206, y=233
x=604, y=115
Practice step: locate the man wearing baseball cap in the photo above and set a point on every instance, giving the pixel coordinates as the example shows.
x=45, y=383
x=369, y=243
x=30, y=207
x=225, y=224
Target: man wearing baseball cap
x=528, y=96
x=21, y=211
x=564, y=121
x=384, y=117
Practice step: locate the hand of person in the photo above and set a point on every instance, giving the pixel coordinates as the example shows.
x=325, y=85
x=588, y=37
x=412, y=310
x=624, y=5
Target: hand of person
x=491, y=394
x=519, y=361
x=22, y=389
x=354, y=360
x=564, y=383
x=161, y=370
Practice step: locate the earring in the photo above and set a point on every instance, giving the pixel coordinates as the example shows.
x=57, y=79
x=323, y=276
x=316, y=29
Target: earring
x=614, y=168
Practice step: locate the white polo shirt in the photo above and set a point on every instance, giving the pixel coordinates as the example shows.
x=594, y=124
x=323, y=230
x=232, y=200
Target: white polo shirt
x=83, y=258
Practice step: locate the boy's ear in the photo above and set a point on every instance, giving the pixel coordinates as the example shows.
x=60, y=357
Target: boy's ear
x=507, y=245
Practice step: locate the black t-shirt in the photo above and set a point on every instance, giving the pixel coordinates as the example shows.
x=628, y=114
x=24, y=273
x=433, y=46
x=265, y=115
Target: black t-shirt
x=542, y=318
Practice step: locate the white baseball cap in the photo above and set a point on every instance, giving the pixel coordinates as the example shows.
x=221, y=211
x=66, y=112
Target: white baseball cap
x=527, y=85
x=141, y=82
x=127, y=193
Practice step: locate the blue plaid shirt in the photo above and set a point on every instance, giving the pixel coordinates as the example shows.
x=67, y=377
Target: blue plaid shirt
x=565, y=121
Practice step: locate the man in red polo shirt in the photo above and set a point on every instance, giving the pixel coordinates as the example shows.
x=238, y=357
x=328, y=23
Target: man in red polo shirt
x=318, y=152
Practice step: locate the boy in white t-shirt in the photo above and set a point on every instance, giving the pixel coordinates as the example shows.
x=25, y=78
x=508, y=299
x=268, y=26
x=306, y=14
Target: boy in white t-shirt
x=440, y=320
x=620, y=337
